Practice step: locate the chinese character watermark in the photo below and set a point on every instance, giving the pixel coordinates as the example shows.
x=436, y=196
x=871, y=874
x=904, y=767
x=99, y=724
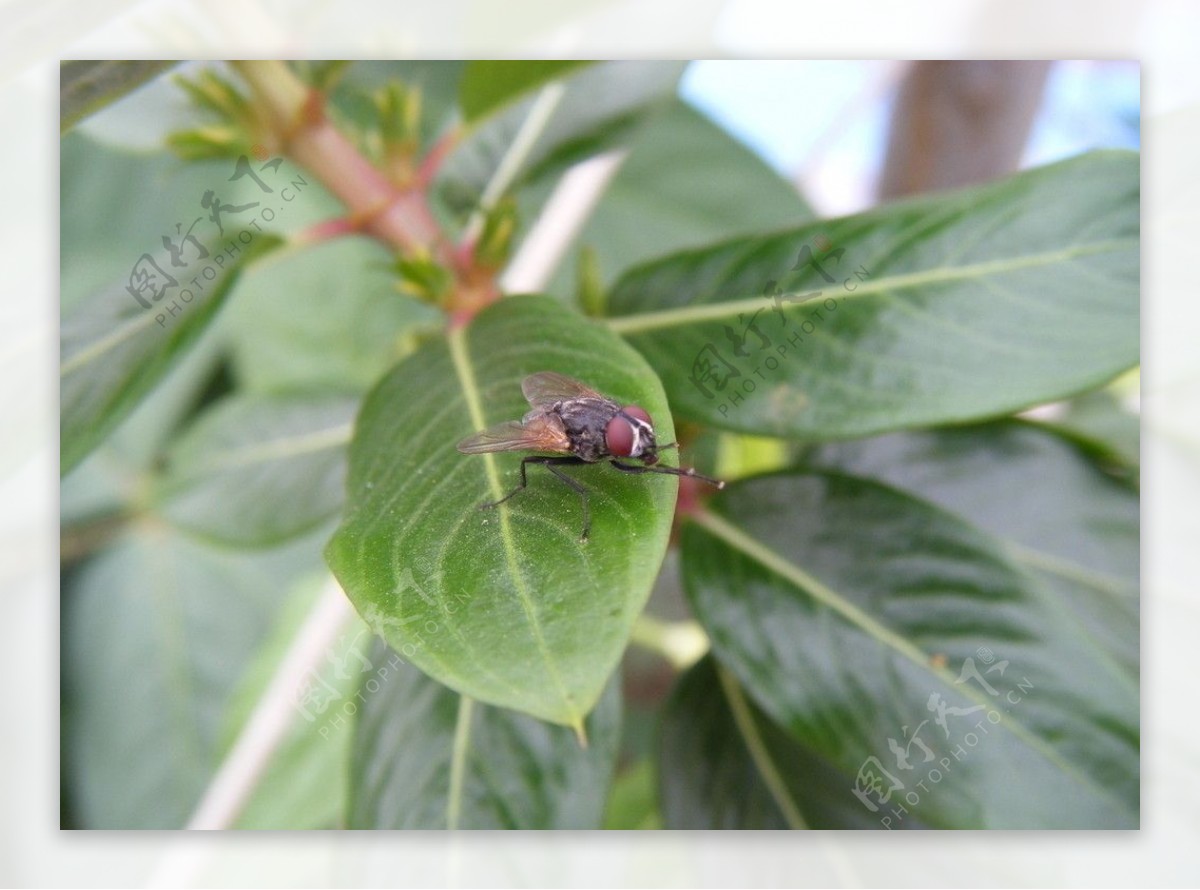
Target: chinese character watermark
x=751, y=352
x=328, y=695
x=893, y=790
x=166, y=277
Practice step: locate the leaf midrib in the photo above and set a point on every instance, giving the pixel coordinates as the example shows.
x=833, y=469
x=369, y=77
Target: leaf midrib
x=326, y=439
x=111, y=341
x=684, y=315
x=1114, y=587
x=769, y=559
x=1038, y=561
x=743, y=719
x=465, y=372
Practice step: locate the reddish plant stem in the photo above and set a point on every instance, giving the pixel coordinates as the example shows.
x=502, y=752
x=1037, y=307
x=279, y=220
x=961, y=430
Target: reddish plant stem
x=327, y=230
x=399, y=217
x=433, y=159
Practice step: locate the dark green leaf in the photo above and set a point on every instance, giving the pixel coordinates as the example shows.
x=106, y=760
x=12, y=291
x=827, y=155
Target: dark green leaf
x=943, y=309
x=1062, y=517
x=87, y=86
x=517, y=772
x=157, y=632
x=115, y=351
x=708, y=775
x=723, y=764
x=505, y=605
x=489, y=84
x=857, y=617
x=256, y=470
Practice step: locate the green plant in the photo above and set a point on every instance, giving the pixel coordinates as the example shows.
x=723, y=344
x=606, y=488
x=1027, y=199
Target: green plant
x=900, y=564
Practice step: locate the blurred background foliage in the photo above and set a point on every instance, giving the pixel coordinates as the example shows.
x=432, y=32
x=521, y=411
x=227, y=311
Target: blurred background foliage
x=178, y=609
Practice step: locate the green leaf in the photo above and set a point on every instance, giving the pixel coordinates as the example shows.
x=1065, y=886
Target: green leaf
x=326, y=317
x=857, y=617
x=489, y=84
x=686, y=183
x=541, y=135
x=943, y=309
x=708, y=776
x=256, y=470
x=114, y=351
x=507, y=605
x=1061, y=516
x=157, y=631
x=633, y=802
x=87, y=86
x=724, y=764
x=425, y=757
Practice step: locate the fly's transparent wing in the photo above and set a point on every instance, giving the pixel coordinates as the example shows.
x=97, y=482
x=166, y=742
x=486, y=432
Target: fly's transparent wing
x=508, y=436
x=543, y=433
x=545, y=388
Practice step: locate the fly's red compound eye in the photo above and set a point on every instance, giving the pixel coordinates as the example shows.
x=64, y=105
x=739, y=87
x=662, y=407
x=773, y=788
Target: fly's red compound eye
x=620, y=435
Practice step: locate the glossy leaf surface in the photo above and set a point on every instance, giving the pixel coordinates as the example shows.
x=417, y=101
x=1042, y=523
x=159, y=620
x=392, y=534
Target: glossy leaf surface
x=859, y=619
x=517, y=772
x=938, y=310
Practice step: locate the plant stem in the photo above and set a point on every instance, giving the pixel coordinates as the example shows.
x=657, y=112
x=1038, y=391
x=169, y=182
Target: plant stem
x=82, y=539
x=401, y=218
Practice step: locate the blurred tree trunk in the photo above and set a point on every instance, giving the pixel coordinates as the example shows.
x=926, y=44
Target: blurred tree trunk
x=956, y=123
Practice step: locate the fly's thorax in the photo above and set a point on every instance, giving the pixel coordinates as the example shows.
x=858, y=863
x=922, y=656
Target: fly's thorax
x=584, y=421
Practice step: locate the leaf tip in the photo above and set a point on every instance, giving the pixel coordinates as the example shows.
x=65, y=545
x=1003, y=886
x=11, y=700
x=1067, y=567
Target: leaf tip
x=580, y=732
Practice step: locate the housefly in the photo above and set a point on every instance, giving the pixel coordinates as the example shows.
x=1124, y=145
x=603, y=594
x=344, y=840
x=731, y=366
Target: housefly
x=580, y=426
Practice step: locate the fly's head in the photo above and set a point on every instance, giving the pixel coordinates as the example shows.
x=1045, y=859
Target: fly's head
x=630, y=433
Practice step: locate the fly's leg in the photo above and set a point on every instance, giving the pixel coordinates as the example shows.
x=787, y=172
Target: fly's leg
x=552, y=464
x=520, y=487
x=670, y=471
x=579, y=487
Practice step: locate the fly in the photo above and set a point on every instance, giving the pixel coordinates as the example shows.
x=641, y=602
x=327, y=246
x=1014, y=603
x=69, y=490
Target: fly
x=580, y=426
